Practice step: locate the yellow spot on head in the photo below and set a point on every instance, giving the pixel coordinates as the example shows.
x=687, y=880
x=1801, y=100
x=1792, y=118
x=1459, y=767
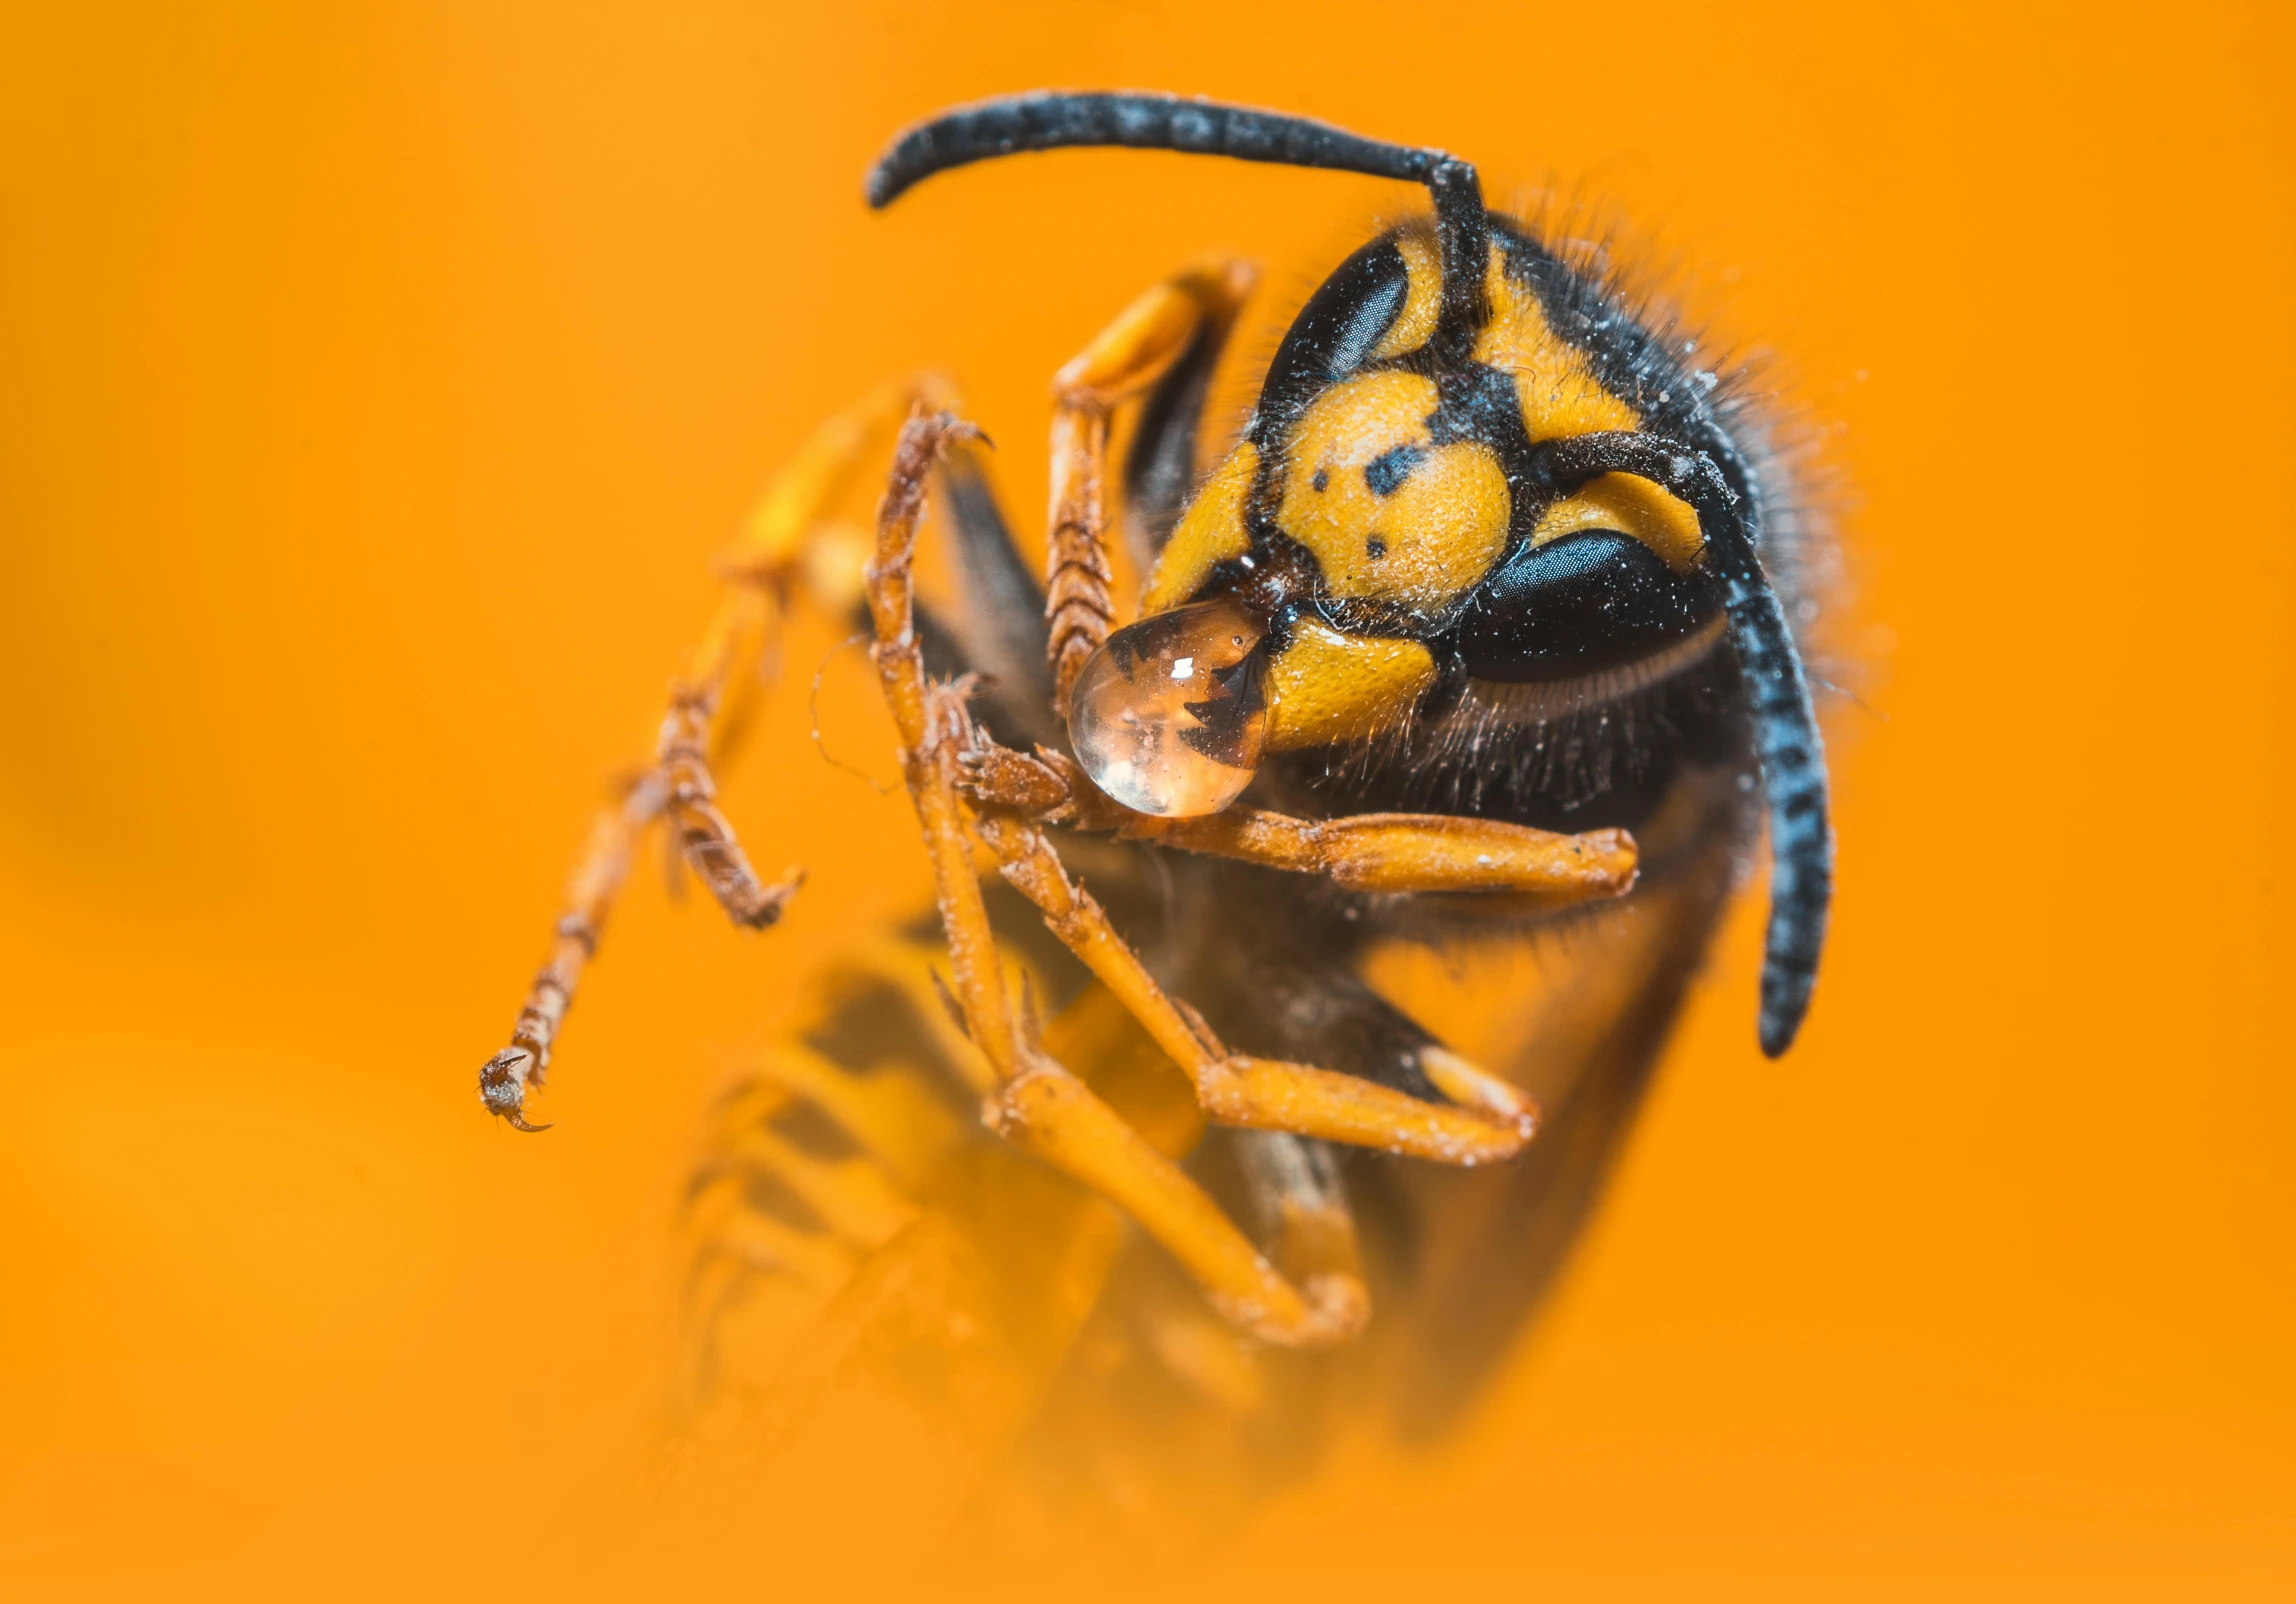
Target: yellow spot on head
x=1559, y=393
x=1633, y=506
x=1328, y=687
x=1209, y=533
x=1389, y=515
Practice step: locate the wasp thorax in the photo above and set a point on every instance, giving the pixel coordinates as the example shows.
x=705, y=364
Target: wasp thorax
x=1168, y=717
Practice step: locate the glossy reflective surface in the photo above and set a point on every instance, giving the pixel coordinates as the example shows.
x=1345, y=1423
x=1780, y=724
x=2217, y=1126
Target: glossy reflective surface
x=1167, y=717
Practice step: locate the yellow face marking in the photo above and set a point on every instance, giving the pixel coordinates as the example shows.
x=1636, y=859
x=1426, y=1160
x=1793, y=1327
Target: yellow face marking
x=1422, y=301
x=1632, y=506
x=1211, y=532
x=1389, y=515
x=1328, y=687
x=1560, y=395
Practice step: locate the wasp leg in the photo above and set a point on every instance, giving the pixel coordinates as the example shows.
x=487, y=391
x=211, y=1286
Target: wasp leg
x=1398, y=852
x=1143, y=344
x=1037, y=1102
x=1298, y=1203
x=590, y=890
x=998, y=628
x=1160, y=465
x=1387, y=852
x=784, y=544
x=1492, y=1122
x=734, y=648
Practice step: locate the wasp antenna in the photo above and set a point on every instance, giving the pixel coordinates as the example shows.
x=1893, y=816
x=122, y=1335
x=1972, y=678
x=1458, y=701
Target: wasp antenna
x=1054, y=121
x=1794, y=781
x=1786, y=739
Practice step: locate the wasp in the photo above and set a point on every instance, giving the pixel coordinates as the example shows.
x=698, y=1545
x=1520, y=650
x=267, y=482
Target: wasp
x=1468, y=644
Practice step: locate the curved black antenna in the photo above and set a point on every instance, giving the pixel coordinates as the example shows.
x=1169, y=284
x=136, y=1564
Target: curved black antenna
x=1785, y=725
x=1054, y=120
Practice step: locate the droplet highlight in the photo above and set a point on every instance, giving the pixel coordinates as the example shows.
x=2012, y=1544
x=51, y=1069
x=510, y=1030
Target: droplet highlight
x=1169, y=716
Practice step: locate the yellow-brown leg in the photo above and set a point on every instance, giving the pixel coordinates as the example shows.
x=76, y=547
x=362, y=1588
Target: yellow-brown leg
x=598, y=874
x=747, y=625
x=1399, y=852
x=780, y=549
x=1389, y=852
x=1129, y=356
x=1037, y=1102
x=1260, y=1093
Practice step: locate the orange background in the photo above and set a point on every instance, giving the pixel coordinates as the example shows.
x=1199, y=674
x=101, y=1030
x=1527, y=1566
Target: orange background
x=377, y=382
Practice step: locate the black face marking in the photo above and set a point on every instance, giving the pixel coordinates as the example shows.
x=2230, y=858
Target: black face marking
x=1386, y=472
x=1322, y=480
x=1375, y=547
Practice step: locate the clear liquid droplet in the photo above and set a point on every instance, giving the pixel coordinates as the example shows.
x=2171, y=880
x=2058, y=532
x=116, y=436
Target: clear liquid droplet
x=1168, y=716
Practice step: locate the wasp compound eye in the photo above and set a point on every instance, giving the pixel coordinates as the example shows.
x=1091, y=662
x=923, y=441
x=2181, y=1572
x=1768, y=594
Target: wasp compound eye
x=1169, y=716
